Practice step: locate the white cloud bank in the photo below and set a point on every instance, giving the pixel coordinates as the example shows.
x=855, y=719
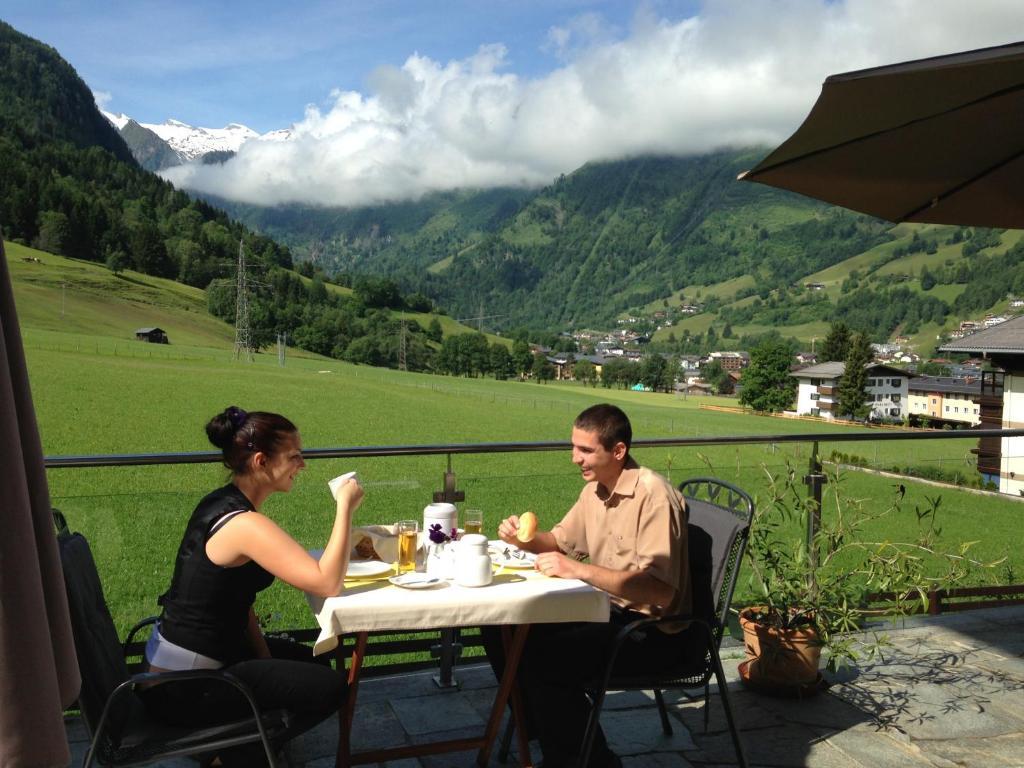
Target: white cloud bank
x=740, y=72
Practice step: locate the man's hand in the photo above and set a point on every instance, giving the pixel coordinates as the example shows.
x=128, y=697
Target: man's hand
x=507, y=530
x=557, y=564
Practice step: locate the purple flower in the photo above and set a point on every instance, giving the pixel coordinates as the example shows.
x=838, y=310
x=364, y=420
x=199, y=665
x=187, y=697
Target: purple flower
x=436, y=535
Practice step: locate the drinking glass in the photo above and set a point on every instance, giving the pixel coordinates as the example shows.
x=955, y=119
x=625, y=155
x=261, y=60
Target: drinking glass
x=473, y=521
x=408, y=531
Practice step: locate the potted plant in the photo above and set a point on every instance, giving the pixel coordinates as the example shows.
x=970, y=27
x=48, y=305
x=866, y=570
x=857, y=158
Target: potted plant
x=814, y=584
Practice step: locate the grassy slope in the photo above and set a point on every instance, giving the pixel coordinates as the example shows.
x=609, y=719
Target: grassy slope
x=873, y=263
x=99, y=403
x=94, y=397
x=71, y=296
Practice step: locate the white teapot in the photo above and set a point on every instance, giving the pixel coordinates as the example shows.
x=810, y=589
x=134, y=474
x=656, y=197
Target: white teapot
x=472, y=563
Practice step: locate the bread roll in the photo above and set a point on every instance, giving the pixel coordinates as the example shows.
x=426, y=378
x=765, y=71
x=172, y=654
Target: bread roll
x=364, y=549
x=527, y=526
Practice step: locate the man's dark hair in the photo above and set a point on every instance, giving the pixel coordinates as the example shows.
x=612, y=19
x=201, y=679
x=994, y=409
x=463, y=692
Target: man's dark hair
x=609, y=422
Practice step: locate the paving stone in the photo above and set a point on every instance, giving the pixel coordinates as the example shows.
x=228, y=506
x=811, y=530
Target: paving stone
x=750, y=711
x=466, y=759
x=996, y=752
x=947, y=695
x=475, y=676
x=427, y=714
x=376, y=726
x=396, y=686
x=823, y=710
x=868, y=746
x=320, y=741
x=774, y=746
x=630, y=732
x=656, y=760
x=629, y=700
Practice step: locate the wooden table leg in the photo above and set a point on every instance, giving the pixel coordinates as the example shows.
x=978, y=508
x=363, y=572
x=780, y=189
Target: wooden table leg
x=343, y=759
x=514, y=640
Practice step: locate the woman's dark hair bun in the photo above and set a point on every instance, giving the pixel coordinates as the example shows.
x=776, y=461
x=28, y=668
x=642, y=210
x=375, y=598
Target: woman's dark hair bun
x=222, y=428
x=240, y=434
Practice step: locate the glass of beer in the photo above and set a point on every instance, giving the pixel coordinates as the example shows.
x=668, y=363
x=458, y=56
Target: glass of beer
x=473, y=521
x=407, y=531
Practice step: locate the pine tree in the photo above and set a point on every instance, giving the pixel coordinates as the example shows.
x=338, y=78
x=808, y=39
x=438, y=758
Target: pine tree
x=853, y=396
x=837, y=343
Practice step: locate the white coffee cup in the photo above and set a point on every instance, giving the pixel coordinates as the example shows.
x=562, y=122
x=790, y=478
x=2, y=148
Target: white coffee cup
x=472, y=563
x=337, y=482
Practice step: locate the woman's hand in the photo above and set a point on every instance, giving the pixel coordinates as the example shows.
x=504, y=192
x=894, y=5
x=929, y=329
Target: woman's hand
x=350, y=496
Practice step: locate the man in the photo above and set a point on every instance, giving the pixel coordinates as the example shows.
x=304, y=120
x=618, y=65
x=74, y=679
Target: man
x=626, y=535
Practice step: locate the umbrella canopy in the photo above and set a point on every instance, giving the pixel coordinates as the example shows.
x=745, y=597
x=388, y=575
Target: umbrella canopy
x=937, y=140
x=38, y=670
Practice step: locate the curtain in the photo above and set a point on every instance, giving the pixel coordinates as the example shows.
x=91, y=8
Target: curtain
x=38, y=670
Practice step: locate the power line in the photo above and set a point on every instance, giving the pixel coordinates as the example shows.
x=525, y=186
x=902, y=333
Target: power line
x=243, y=331
x=401, y=346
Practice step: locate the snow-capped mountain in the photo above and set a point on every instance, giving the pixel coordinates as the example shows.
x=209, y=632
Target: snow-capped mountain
x=192, y=143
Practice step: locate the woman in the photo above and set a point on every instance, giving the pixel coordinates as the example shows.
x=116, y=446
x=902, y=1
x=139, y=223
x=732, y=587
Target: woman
x=229, y=553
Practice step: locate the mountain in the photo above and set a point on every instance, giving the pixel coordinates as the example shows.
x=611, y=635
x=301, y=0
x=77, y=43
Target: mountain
x=593, y=245
x=183, y=143
x=150, y=151
x=44, y=98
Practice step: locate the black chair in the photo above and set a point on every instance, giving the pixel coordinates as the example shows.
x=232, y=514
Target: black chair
x=123, y=733
x=719, y=523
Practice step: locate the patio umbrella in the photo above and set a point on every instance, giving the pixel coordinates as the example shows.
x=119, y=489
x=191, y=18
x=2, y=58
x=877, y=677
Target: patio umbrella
x=938, y=140
x=38, y=669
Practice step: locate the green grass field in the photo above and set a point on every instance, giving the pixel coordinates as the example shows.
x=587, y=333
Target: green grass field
x=96, y=392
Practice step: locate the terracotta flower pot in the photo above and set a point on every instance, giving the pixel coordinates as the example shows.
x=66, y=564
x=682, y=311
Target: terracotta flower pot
x=779, y=657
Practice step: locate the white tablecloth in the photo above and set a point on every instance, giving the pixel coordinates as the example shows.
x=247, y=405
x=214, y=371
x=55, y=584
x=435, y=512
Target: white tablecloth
x=515, y=597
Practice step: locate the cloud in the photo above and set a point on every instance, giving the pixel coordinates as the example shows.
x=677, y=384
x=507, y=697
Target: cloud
x=734, y=74
x=102, y=98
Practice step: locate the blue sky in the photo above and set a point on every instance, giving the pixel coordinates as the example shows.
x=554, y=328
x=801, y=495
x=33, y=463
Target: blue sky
x=392, y=99
x=260, y=63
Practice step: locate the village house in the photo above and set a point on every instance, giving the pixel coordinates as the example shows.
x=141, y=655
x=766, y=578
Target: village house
x=944, y=400
x=731, y=361
x=818, y=390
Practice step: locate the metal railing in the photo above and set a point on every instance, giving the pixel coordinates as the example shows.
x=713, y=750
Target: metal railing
x=448, y=645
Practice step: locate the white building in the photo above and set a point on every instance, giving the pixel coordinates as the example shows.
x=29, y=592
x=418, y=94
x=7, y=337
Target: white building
x=945, y=399
x=818, y=390
x=1003, y=344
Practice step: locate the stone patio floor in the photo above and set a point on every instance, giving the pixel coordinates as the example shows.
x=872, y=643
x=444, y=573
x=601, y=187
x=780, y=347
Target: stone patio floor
x=948, y=692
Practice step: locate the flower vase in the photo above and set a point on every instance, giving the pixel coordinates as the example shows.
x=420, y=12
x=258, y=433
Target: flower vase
x=440, y=560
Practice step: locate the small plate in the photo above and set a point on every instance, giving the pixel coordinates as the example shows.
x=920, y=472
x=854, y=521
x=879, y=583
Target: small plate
x=508, y=556
x=415, y=580
x=358, y=569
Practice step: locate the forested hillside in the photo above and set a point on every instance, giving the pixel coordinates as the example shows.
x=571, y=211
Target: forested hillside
x=585, y=249
x=69, y=186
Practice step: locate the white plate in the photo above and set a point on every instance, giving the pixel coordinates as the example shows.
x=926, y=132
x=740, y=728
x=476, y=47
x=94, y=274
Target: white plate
x=416, y=580
x=360, y=568
x=508, y=556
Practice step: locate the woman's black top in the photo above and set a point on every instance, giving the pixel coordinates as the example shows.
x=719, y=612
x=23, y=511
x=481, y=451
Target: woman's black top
x=206, y=609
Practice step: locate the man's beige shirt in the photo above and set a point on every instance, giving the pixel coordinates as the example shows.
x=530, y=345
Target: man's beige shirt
x=639, y=526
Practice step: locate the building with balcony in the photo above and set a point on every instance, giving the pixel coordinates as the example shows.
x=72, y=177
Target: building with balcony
x=1003, y=345
x=731, y=361
x=945, y=400
x=818, y=390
